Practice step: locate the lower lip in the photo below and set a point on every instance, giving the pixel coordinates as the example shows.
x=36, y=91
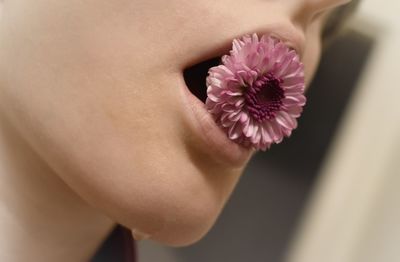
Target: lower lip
x=214, y=138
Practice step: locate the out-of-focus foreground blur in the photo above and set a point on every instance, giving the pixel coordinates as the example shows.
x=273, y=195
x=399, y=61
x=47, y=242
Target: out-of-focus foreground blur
x=330, y=193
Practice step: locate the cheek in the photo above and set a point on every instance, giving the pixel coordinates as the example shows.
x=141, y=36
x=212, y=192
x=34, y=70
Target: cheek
x=107, y=120
x=111, y=129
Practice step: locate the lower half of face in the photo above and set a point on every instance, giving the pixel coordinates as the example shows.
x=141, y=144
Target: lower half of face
x=97, y=89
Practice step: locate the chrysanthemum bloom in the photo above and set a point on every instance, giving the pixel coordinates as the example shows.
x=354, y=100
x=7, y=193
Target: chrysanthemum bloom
x=257, y=92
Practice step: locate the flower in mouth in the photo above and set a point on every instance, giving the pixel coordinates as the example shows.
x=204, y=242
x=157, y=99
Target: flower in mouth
x=257, y=92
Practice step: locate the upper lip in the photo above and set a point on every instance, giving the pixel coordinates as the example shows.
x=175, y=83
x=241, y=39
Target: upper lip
x=290, y=36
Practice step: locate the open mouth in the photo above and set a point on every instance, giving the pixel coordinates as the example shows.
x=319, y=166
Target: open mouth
x=194, y=97
x=195, y=77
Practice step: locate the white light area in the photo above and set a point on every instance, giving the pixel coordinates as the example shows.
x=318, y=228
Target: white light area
x=354, y=212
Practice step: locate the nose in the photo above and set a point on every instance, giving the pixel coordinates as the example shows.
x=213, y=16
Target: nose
x=305, y=10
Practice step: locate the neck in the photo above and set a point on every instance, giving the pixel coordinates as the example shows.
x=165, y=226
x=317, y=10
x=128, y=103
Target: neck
x=41, y=218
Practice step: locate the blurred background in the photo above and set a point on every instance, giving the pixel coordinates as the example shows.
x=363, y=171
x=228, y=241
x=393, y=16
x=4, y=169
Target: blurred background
x=331, y=192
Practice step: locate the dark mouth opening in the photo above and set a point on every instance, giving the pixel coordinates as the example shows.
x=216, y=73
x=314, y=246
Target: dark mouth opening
x=195, y=77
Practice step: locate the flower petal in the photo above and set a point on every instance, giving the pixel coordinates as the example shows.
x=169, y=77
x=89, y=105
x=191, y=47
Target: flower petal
x=233, y=90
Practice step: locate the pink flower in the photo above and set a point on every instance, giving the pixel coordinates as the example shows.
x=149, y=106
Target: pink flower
x=257, y=92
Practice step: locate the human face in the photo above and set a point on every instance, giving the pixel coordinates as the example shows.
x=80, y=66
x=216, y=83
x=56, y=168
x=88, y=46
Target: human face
x=96, y=88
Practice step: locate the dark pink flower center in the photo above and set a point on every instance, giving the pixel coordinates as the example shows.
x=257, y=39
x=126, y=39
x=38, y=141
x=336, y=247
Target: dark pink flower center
x=264, y=97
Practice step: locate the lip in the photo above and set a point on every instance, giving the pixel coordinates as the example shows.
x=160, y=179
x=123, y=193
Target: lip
x=291, y=37
x=286, y=32
x=215, y=141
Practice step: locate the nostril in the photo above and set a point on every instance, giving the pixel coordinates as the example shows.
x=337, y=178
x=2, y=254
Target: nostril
x=195, y=77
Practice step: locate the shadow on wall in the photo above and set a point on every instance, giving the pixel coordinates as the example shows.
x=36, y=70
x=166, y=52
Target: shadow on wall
x=261, y=216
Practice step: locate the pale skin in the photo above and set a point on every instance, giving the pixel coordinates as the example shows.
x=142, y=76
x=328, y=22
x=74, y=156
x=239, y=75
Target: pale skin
x=92, y=128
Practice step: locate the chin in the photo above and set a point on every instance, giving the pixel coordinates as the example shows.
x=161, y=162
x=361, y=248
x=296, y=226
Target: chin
x=188, y=225
x=184, y=216
x=182, y=208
